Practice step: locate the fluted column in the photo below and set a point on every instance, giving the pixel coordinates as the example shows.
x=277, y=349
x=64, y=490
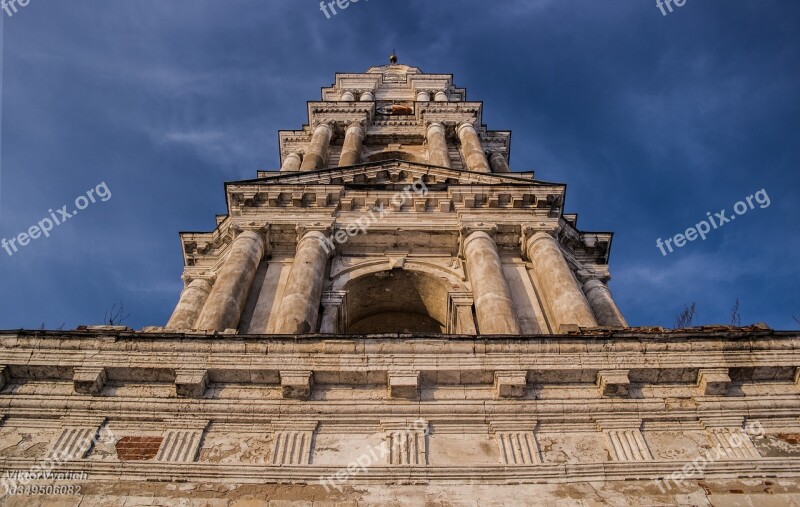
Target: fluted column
x=499, y=163
x=603, y=306
x=473, y=151
x=229, y=294
x=192, y=300
x=301, y=299
x=561, y=292
x=292, y=162
x=493, y=306
x=317, y=154
x=438, y=153
x=353, y=143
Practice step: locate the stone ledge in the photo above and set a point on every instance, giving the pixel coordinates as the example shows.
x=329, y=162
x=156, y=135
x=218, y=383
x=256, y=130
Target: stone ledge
x=713, y=381
x=89, y=380
x=403, y=384
x=613, y=383
x=191, y=383
x=510, y=384
x=297, y=384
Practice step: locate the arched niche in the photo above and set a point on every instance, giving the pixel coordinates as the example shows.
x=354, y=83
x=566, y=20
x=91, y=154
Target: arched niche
x=409, y=299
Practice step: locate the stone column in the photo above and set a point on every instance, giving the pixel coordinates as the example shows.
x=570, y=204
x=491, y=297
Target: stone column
x=226, y=301
x=423, y=97
x=499, y=163
x=473, y=151
x=493, y=306
x=353, y=142
x=333, y=312
x=191, y=302
x=438, y=153
x=605, y=309
x=561, y=292
x=317, y=154
x=292, y=162
x=300, y=303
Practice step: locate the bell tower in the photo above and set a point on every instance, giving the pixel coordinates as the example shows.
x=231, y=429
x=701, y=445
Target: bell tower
x=394, y=317
x=395, y=210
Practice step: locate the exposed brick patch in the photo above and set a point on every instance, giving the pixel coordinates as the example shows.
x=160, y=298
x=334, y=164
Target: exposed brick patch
x=138, y=448
x=789, y=438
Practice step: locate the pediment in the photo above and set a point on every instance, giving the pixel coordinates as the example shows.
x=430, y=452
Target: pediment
x=392, y=172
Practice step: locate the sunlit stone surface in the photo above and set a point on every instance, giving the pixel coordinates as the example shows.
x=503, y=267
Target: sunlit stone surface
x=395, y=317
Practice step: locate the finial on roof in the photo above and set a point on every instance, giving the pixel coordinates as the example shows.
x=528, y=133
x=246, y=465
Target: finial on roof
x=393, y=58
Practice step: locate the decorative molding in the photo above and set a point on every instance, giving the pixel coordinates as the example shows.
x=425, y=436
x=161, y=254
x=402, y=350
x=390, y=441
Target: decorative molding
x=407, y=442
x=182, y=444
x=292, y=442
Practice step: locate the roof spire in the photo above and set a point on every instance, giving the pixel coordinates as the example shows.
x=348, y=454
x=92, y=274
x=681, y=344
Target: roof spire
x=393, y=58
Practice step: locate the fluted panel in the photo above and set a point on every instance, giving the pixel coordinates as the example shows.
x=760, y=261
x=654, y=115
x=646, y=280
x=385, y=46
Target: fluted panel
x=518, y=447
x=291, y=448
x=407, y=448
x=74, y=442
x=627, y=445
x=180, y=446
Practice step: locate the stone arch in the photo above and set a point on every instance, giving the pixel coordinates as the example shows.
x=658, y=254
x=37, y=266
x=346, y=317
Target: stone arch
x=383, y=156
x=392, y=297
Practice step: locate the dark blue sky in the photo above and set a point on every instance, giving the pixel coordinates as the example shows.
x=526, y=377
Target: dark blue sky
x=651, y=120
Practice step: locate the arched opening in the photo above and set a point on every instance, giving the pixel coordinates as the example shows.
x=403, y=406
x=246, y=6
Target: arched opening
x=396, y=301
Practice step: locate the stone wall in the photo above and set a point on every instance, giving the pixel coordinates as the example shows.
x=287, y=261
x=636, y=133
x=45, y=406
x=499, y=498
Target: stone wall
x=600, y=414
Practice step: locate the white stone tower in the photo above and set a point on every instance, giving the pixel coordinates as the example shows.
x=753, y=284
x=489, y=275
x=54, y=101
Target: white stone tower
x=396, y=318
x=395, y=210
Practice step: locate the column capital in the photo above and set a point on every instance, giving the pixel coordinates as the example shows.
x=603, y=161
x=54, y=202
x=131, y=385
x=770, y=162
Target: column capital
x=466, y=125
x=470, y=232
x=191, y=276
x=254, y=231
x=355, y=124
x=316, y=230
x=592, y=284
x=325, y=124
x=436, y=125
x=333, y=297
